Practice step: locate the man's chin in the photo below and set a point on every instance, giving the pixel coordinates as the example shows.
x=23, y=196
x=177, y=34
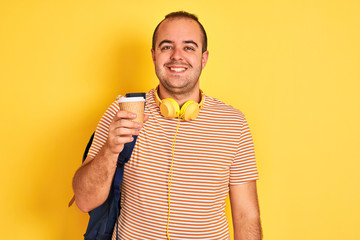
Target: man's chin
x=178, y=87
x=175, y=83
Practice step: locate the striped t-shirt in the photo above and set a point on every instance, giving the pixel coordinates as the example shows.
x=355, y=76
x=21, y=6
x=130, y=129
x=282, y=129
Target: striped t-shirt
x=211, y=152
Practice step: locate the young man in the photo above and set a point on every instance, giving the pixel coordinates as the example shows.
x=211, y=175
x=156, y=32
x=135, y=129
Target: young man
x=182, y=168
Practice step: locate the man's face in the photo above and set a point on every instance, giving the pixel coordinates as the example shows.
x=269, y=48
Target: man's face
x=178, y=56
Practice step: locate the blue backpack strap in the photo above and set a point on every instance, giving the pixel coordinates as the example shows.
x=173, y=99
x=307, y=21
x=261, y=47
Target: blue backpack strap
x=123, y=157
x=104, y=218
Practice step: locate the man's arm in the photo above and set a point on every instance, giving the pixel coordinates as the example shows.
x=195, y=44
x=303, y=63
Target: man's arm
x=92, y=181
x=245, y=211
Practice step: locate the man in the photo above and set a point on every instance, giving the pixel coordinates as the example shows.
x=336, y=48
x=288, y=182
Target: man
x=180, y=172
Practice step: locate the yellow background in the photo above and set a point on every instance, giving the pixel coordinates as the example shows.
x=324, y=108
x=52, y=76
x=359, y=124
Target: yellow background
x=293, y=67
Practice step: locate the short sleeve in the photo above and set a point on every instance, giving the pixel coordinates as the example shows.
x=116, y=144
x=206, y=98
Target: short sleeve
x=243, y=168
x=102, y=130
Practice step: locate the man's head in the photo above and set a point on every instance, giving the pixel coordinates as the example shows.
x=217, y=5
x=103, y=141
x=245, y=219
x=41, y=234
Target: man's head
x=182, y=14
x=178, y=54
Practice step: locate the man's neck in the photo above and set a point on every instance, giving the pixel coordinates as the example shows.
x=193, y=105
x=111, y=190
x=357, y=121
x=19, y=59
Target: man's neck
x=180, y=98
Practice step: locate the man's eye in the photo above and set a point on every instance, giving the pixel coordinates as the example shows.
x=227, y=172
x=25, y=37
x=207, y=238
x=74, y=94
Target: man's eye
x=166, y=48
x=189, y=48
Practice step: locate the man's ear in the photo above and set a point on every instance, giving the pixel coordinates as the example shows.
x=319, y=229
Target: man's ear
x=204, y=59
x=153, y=55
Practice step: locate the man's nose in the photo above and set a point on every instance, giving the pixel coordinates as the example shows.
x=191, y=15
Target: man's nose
x=176, y=54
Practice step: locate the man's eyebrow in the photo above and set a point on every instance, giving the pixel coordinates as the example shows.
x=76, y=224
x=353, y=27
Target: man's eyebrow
x=165, y=41
x=170, y=42
x=191, y=42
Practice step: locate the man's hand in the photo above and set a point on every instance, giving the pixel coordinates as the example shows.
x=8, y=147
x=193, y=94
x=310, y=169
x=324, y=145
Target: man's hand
x=121, y=130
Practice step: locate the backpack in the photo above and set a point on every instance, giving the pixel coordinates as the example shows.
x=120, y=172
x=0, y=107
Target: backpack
x=103, y=218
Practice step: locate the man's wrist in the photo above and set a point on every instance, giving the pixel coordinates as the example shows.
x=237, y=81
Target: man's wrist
x=108, y=155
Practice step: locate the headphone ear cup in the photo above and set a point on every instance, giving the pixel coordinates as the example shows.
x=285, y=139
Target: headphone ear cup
x=190, y=110
x=169, y=108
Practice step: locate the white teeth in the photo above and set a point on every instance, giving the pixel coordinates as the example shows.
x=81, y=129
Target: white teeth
x=177, y=69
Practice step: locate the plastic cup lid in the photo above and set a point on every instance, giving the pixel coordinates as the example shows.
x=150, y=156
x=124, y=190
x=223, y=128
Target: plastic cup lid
x=131, y=99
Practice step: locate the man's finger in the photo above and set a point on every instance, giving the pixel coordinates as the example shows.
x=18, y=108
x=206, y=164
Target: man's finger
x=121, y=131
x=123, y=140
x=122, y=114
x=126, y=123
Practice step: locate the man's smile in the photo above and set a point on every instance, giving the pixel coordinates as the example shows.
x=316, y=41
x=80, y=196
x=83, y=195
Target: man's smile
x=177, y=69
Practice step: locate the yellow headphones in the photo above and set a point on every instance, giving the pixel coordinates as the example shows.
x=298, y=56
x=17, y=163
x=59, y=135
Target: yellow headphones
x=170, y=108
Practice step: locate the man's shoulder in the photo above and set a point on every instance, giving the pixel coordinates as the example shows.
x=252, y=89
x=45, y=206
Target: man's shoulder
x=217, y=106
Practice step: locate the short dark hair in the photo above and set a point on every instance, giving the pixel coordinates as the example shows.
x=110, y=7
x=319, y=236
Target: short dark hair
x=182, y=14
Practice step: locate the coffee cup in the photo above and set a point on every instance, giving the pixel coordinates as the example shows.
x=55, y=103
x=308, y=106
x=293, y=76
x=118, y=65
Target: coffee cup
x=135, y=105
